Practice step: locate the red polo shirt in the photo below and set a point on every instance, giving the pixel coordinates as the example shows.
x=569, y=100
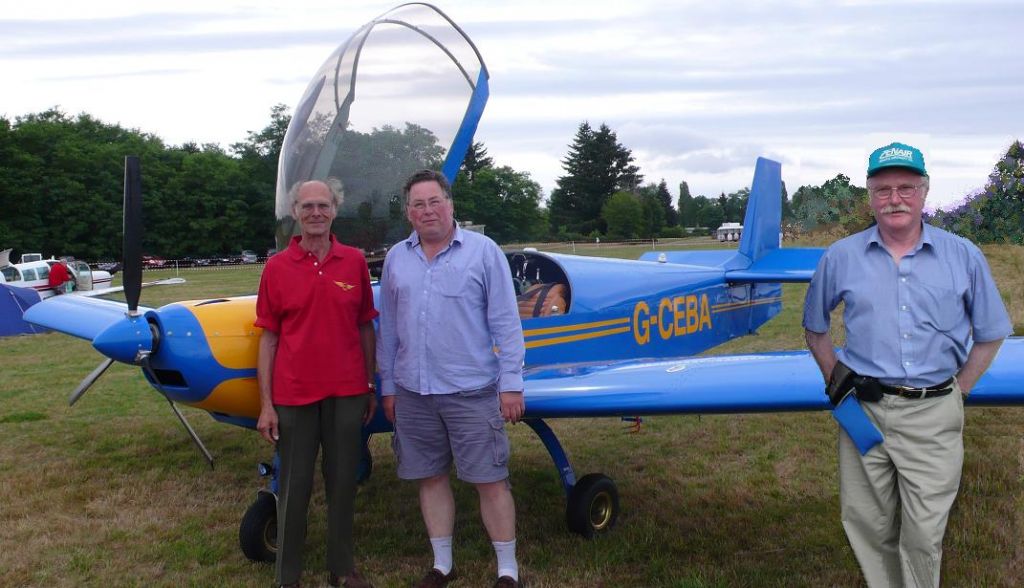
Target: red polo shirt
x=316, y=309
x=58, y=275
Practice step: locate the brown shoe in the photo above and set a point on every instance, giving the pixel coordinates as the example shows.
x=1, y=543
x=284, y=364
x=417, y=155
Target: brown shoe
x=506, y=582
x=435, y=579
x=353, y=580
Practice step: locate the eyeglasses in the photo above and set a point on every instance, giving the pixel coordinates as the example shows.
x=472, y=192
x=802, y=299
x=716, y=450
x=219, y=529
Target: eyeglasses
x=421, y=205
x=885, y=192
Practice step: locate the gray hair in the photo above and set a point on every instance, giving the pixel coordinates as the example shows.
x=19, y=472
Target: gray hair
x=333, y=186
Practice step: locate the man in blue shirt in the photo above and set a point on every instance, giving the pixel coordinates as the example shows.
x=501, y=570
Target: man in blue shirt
x=923, y=321
x=450, y=356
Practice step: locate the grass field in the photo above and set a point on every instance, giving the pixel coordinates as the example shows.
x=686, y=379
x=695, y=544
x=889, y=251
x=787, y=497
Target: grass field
x=112, y=493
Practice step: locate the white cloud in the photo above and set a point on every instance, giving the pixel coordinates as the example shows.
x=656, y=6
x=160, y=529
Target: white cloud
x=696, y=89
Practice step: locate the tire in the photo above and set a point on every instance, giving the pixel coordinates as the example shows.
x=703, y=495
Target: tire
x=257, y=535
x=593, y=505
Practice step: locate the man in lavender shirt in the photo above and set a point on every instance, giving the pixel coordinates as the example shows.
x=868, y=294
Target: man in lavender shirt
x=450, y=356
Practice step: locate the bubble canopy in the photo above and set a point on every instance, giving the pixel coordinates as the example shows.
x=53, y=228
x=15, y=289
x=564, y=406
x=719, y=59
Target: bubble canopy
x=404, y=92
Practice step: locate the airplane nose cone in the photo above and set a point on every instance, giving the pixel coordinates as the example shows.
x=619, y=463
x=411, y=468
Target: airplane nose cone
x=123, y=340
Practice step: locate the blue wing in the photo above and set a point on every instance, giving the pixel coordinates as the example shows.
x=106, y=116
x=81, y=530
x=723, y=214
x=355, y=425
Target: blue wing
x=764, y=382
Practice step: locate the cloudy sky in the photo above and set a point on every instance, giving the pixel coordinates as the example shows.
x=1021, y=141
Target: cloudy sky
x=697, y=90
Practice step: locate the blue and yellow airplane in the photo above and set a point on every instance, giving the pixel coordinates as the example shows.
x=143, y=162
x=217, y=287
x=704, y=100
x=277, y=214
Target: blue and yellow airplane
x=604, y=337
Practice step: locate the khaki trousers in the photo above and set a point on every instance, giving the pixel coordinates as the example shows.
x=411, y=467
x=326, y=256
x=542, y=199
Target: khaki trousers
x=895, y=500
x=335, y=425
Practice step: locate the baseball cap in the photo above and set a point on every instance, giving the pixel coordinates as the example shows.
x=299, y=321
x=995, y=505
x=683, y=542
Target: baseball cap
x=896, y=155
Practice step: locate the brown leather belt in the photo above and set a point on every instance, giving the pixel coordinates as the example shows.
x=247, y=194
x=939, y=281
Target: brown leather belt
x=916, y=393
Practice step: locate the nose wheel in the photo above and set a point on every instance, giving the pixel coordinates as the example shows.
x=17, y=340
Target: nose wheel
x=592, y=506
x=257, y=535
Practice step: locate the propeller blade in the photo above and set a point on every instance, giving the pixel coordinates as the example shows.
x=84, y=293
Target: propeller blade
x=131, y=273
x=89, y=380
x=144, y=361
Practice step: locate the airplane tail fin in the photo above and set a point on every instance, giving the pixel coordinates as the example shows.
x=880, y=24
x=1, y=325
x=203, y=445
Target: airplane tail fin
x=760, y=258
x=763, y=221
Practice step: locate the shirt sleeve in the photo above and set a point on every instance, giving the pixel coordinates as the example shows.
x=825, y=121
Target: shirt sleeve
x=366, y=311
x=266, y=314
x=387, y=337
x=820, y=299
x=503, y=321
x=989, y=319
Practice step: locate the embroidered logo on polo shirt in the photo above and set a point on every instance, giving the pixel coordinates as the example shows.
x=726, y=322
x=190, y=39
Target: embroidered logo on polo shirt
x=344, y=286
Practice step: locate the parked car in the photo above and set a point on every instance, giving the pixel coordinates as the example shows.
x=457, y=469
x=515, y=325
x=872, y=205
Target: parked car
x=152, y=261
x=111, y=267
x=249, y=256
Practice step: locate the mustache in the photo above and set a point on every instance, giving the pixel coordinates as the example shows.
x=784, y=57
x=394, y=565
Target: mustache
x=898, y=208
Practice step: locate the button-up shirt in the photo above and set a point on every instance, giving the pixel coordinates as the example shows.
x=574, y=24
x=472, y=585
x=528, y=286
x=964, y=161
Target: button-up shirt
x=909, y=323
x=449, y=324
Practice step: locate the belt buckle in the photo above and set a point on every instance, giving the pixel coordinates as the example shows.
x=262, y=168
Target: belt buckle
x=914, y=393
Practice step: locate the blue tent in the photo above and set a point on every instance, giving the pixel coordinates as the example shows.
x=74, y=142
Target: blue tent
x=13, y=303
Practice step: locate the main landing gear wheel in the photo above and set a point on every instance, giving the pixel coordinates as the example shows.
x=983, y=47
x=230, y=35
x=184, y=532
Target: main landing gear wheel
x=257, y=535
x=593, y=505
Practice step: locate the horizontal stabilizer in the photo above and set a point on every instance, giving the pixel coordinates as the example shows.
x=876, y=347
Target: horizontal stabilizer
x=766, y=382
x=77, y=316
x=779, y=265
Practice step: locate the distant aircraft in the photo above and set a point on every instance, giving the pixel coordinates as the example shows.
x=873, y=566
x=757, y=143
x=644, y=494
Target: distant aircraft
x=32, y=272
x=604, y=337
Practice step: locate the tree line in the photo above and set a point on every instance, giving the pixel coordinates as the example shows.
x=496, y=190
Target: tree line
x=61, y=192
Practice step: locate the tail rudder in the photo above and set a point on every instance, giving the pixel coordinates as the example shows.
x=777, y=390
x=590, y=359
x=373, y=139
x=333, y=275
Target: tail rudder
x=763, y=220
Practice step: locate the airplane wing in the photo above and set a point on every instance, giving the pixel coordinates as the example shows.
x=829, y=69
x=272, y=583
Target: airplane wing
x=762, y=382
x=115, y=289
x=78, y=316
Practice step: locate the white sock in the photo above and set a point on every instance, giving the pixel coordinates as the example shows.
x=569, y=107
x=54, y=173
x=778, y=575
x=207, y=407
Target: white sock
x=442, y=553
x=507, y=565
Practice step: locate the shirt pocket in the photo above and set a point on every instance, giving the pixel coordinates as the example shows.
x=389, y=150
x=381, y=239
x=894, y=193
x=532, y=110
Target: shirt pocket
x=942, y=308
x=453, y=281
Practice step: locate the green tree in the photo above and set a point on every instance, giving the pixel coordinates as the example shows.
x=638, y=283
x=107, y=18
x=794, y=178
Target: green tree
x=506, y=201
x=624, y=215
x=836, y=202
x=650, y=197
x=687, y=212
x=596, y=167
x=996, y=214
x=665, y=198
x=476, y=159
x=707, y=214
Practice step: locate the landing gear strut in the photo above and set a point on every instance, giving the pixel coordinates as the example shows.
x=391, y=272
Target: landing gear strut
x=592, y=503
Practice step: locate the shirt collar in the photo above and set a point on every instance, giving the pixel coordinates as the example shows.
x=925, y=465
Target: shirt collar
x=927, y=233
x=414, y=238
x=296, y=252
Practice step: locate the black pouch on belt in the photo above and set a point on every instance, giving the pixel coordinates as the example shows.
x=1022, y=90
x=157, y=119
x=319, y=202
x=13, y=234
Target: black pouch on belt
x=868, y=389
x=840, y=383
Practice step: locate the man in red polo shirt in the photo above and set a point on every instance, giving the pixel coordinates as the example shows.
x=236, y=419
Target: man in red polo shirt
x=59, y=277
x=315, y=372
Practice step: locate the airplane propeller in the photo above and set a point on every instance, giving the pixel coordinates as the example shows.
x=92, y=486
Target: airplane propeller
x=131, y=275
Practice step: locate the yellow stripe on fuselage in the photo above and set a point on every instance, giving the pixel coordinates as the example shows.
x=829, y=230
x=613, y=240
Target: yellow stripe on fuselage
x=575, y=327
x=580, y=337
x=236, y=397
x=229, y=329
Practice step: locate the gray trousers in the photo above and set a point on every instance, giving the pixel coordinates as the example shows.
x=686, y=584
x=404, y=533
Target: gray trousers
x=895, y=500
x=335, y=425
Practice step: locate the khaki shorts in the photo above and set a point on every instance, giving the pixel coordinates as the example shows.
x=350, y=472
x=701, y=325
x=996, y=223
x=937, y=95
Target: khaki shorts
x=432, y=430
